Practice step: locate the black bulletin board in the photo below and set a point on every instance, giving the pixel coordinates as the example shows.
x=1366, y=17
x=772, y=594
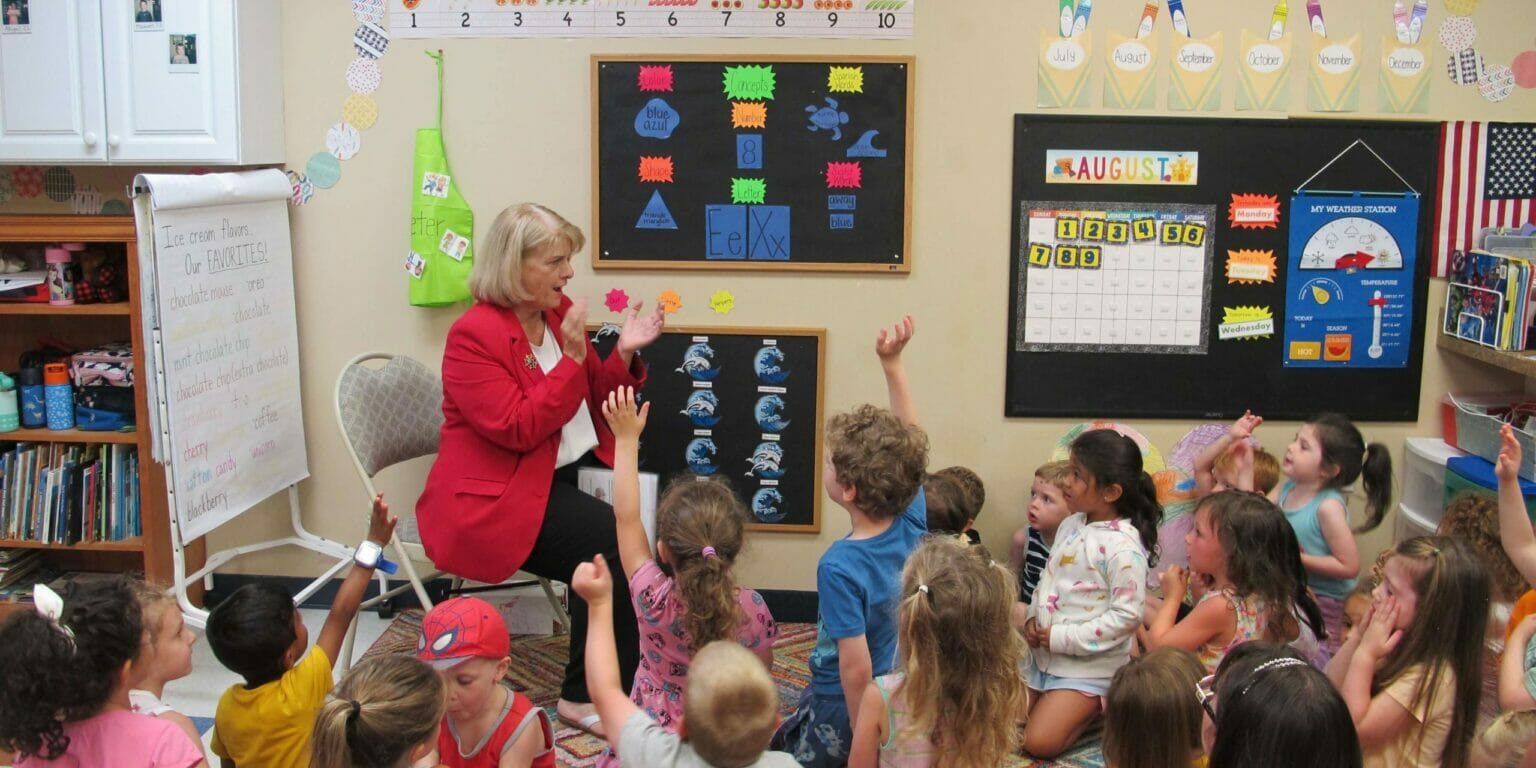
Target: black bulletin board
x=1271, y=157
x=832, y=151
x=743, y=404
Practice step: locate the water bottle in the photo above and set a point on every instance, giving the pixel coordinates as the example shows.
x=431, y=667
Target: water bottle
x=9, y=419
x=61, y=278
x=34, y=408
x=60, y=396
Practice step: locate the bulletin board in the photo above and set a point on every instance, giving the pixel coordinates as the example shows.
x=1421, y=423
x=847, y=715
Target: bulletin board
x=1196, y=268
x=742, y=404
x=755, y=163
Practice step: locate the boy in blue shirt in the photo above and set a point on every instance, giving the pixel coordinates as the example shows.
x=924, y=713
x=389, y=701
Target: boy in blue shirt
x=875, y=464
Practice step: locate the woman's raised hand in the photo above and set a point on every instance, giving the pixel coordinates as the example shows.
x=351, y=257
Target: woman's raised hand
x=638, y=331
x=573, y=331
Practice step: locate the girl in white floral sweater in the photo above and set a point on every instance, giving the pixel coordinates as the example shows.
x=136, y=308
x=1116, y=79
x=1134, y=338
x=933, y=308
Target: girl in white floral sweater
x=1088, y=605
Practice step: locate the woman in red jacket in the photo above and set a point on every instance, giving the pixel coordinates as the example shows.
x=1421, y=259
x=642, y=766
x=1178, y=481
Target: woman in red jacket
x=522, y=388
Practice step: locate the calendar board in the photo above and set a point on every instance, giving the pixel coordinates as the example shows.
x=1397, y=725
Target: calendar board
x=1109, y=277
x=862, y=19
x=739, y=404
x=1121, y=333
x=752, y=162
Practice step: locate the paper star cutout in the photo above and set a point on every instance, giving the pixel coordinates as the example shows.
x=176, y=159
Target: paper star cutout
x=722, y=302
x=669, y=302
x=617, y=300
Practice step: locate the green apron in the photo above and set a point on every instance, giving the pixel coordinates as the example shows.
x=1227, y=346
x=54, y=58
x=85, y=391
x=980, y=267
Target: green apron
x=442, y=223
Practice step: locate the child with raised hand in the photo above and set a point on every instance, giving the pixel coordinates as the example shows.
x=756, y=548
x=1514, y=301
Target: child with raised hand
x=876, y=461
x=1238, y=556
x=1517, y=680
x=1326, y=457
x=486, y=724
x=1047, y=508
x=730, y=705
x=685, y=595
x=1088, y=606
x=1208, y=479
x=258, y=634
x=167, y=656
x=385, y=713
x=958, y=698
x=1152, y=718
x=64, y=684
x=1411, y=674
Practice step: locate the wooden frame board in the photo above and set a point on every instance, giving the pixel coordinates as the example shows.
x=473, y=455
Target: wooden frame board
x=717, y=394
x=836, y=235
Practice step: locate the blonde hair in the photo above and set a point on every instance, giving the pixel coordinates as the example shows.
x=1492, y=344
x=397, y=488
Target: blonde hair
x=1054, y=472
x=1503, y=743
x=515, y=233
x=730, y=705
x=153, y=600
x=882, y=459
x=1152, y=717
x=960, y=653
x=694, y=514
x=380, y=710
x=1266, y=469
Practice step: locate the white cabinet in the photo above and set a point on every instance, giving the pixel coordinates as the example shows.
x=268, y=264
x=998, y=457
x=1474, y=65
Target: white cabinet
x=88, y=83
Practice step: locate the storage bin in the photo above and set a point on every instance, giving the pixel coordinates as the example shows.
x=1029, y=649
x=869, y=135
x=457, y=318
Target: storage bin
x=1473, y=474
x=1466, y=422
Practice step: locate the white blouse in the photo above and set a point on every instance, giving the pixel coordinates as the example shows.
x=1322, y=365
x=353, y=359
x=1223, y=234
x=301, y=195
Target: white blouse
x=578, y=435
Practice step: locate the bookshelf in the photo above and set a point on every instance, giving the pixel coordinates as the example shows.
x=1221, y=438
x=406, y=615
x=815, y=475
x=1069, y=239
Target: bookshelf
x=87, y=324
x=1523, y=363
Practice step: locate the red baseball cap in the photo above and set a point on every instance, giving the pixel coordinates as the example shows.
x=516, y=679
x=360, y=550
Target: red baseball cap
x=461, y=629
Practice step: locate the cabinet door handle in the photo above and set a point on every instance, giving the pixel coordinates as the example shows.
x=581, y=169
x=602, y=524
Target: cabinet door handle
x=113, y=140
x=90, y=138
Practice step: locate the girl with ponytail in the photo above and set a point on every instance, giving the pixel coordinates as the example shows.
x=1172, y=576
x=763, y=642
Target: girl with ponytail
x=1320, y=465
x=383, y=714
x=958, y=699
x=684, y=593
x=1089, y=602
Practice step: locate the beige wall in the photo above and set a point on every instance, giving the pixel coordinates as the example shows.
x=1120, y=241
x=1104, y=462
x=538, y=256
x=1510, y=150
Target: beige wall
x=517, y=122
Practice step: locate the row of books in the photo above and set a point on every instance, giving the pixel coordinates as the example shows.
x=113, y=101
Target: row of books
x=66, y=493
x=1489, y=299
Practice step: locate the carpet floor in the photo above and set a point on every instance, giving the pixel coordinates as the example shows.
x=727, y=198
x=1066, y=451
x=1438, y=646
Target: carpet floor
x=539, y=662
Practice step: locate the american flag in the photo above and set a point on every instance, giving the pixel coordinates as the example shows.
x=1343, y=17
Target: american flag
x=1487, y=179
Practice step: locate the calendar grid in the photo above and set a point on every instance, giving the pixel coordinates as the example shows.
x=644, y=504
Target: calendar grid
x=1114, y=277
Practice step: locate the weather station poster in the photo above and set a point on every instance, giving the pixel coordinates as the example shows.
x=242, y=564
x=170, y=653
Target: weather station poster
x=1349, y=280
x=743, y=405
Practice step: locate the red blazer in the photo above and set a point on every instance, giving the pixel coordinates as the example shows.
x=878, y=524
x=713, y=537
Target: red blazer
x=486, y=494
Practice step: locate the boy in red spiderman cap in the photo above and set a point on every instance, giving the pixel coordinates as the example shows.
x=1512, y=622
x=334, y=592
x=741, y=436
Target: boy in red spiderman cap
x=487, y=725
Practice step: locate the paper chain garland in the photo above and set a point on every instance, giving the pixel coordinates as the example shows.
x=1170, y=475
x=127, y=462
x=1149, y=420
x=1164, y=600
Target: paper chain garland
x=343, y=140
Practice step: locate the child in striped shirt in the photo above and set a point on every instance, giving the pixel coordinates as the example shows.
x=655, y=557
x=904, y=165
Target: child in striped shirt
x=1047, y=508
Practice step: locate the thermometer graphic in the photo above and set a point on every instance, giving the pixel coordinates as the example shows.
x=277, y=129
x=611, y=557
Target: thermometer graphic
x=1376, y=302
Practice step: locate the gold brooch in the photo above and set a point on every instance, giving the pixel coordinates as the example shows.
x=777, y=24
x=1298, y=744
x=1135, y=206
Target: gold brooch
x=530, y=361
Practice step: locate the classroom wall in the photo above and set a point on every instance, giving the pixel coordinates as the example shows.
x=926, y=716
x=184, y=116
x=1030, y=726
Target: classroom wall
x=517, y=124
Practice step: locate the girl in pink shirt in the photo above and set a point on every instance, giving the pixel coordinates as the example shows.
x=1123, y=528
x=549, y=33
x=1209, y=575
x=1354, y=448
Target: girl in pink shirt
x=685, y=595
x=74, y=655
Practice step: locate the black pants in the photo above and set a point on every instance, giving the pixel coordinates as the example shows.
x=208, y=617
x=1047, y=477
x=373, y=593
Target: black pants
x=576, y=527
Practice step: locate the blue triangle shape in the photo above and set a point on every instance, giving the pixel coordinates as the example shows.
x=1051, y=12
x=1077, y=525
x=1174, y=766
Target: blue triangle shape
x=656, y=215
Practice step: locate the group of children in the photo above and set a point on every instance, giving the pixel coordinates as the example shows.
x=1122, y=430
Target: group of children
x=1257, y=651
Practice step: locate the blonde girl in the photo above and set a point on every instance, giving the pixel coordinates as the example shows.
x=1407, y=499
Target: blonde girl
x=958, y=699
x=383, y=714
x=685, y=595
x=1411, y=673
x=166, y=656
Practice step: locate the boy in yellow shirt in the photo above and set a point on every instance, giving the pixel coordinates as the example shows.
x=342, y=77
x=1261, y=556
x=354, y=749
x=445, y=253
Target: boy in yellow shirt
x=257, y=633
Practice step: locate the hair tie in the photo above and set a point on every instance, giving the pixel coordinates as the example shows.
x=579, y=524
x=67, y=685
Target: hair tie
x=923, y=588
x=707, y=552
x=51, y=607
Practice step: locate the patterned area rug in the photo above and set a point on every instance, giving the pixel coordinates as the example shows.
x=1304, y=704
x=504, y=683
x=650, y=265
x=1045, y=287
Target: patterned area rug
x=539, y=662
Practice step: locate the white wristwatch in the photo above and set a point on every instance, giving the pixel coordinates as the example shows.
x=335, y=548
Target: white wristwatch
x=371, y=555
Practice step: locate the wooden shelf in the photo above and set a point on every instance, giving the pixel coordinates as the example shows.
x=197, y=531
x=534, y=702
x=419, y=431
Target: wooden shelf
x=120, y=308
x=135, y=544
x=69, y=436
x=1523, y=363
